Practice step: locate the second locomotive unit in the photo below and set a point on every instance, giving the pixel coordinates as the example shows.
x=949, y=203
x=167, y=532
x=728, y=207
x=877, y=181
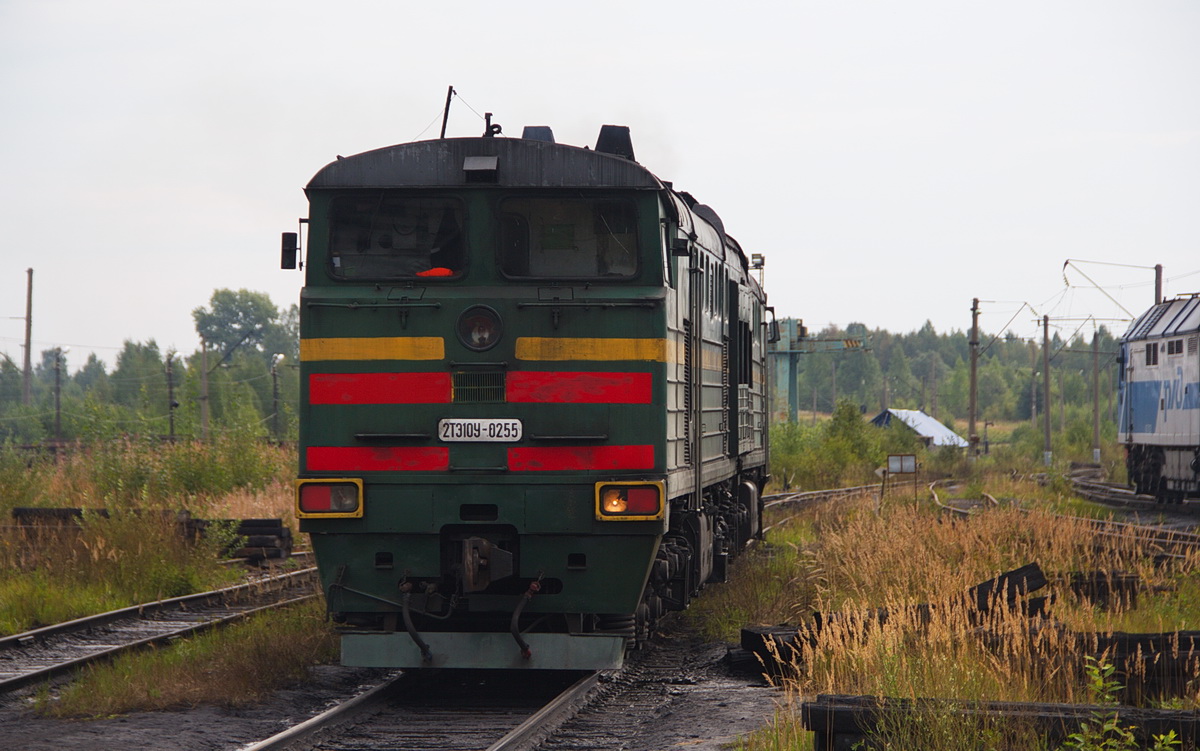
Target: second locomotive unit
x=533, y=408
x=1160, y=400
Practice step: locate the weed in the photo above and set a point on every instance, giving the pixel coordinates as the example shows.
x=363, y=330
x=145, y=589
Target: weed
x=230, y=667
x=1104, y=731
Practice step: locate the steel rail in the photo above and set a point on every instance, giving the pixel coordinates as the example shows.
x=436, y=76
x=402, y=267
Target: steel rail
x=137, y=620
x=1121, y=496
x=557, y=711
x=544, y=720
x=100, y=619
x=1147, y=534
x=809, y=496
x=329, y=718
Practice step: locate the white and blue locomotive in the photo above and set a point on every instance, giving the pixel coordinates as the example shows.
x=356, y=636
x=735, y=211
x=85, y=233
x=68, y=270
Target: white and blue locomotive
x=1159, y=391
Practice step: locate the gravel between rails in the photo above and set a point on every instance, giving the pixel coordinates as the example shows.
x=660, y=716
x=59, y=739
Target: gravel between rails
x=677, y=693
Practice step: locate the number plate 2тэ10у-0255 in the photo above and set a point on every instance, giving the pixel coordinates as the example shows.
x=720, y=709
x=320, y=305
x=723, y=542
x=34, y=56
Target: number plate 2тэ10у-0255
x=474, y=430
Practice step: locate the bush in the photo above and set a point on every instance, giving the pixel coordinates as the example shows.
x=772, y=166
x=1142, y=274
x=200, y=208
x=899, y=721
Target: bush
x=844, y=450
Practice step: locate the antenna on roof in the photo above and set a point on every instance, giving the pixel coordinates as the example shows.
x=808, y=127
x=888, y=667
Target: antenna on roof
x=446, y=112
x=489, y=130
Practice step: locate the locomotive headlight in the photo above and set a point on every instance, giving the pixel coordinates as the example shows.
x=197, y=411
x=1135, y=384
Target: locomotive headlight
x=329, y=499
x=629, y=501
x=479, y=328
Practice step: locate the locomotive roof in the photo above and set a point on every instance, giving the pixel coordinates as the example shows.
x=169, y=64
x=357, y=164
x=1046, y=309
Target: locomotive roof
x=503, y=162
x=1169, y=318
x=519, y=163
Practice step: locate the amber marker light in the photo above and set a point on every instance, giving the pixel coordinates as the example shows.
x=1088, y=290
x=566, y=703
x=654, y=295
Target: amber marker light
x=629, y=501
x=329, y=499
x=614, y=501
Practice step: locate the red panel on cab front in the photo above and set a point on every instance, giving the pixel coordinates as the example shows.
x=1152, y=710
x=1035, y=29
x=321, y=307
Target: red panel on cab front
x=643, y=500
x=316, y=498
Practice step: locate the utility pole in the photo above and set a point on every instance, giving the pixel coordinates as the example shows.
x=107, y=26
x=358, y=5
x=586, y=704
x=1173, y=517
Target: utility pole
x=1158, y=284
x=1046, y=454
x=1096, y=397
x=58, y=362
x=933, y=375
x=833, y=378
x=27, y=386
x=1032, y=383
x=973, y=407
x=171, y=403
x=203, y=390
x=793, y=388
x=57, y=393
x=275, y=397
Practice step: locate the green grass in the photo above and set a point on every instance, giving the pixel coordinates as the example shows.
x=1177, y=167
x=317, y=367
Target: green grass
x=106, y=563
x=230, y=667
x=54, y=573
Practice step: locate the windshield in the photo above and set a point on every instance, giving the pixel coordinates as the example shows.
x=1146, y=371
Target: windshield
x=568, y=238
x=380, y=236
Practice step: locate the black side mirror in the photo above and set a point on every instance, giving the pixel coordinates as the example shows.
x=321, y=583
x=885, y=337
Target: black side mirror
x=679, y=247
x=291, y=246
x=772, y=326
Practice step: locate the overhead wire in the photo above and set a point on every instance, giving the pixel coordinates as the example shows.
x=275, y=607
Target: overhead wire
x=464, y=101
x=427, y=127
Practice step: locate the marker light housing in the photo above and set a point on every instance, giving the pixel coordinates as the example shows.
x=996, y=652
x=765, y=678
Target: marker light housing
x=329, y=499
x=629, y=501
x=479, y=328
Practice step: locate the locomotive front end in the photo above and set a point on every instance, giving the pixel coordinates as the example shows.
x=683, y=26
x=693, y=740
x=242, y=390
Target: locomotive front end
x=484, y=357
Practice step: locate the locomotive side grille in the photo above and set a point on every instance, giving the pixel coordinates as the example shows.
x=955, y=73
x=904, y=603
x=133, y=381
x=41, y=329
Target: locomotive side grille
x=687, y=392
x=479, y=387
x=1193, y=343
x=725, y=416
x=745, y=416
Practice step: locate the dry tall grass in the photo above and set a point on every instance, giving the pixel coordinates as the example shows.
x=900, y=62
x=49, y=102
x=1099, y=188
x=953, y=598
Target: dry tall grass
x=852, y=562
x=138, y=552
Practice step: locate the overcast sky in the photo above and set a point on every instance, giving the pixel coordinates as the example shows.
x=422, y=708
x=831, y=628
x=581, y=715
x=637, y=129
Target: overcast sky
x=892, y=160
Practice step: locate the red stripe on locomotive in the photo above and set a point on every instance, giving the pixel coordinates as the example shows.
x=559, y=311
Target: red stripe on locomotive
x=559, y=458
x=579, y=388
x=379, y=388
x=377, y=459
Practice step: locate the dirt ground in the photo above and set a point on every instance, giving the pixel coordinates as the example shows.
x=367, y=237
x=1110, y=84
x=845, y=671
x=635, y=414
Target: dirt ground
x=677, y=694
x=202, y=728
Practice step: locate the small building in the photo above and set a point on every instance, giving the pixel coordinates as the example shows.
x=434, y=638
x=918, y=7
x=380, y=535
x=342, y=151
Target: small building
x=932, y=432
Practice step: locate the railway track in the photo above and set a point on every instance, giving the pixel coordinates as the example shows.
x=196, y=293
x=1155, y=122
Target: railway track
x=1120, y=496
x=44, y=653
x=807, y=498
x=444, y=711
x=1165, y=540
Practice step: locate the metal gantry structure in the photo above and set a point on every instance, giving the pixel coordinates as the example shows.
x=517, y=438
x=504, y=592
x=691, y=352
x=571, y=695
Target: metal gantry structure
x=794, y=341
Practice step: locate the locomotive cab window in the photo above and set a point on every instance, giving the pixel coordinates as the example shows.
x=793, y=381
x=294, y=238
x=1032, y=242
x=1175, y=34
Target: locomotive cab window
x=568, y=238
x=381, y=236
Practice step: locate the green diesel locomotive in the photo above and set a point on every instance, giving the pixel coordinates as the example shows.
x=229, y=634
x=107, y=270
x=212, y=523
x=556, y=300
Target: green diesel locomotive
x=533, y=411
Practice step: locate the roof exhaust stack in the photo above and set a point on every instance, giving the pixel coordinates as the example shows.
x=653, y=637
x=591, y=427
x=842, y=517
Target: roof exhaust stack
x=614, y=139
x=538, y=133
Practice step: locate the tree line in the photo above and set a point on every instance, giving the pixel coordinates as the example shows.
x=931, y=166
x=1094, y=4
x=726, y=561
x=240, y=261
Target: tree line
x=248, y=370
x=243, y=380
x=930, y=371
